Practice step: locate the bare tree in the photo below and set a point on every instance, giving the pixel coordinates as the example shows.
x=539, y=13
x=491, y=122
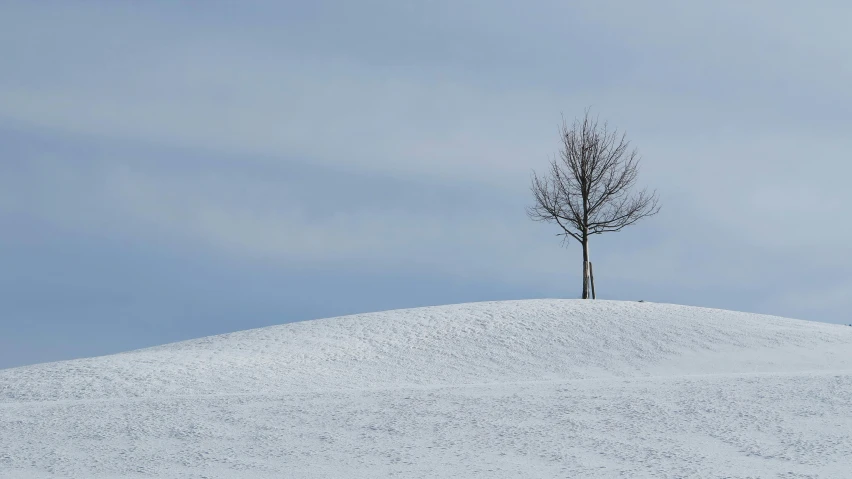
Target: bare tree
x=587, y=190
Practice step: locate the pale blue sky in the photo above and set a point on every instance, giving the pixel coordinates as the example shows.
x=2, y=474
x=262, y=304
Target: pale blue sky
x=170, y=170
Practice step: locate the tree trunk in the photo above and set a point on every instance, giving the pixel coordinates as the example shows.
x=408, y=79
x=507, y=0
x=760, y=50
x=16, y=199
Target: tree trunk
x=592, y=279
x=585, y=267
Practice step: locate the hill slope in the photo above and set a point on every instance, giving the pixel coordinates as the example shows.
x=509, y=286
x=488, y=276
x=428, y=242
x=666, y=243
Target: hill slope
x=546, y=388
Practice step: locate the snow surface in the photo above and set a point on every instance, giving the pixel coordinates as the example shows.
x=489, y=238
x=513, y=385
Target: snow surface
x=521, y=389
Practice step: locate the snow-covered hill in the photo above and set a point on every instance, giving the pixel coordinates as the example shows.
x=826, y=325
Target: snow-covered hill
x=545, y=388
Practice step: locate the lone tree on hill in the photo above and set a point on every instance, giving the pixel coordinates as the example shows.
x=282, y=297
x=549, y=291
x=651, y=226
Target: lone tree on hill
x=586, y=191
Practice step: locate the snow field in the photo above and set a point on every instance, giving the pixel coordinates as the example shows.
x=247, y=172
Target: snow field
x=543, y=388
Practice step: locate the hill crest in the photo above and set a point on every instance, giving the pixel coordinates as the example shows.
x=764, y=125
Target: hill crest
x=473, y=343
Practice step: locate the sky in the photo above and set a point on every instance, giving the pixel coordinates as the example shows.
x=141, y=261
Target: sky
x=171, y=170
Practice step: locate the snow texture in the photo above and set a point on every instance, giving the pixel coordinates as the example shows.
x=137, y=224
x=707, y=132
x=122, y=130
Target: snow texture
x=521, y=389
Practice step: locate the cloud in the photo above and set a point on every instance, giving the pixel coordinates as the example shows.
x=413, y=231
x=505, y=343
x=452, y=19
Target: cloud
x=265, y=216
x=433, y=115
x=256, y=95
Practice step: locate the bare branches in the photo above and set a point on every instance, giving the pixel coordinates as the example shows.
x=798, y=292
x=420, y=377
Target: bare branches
x=587, y=189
